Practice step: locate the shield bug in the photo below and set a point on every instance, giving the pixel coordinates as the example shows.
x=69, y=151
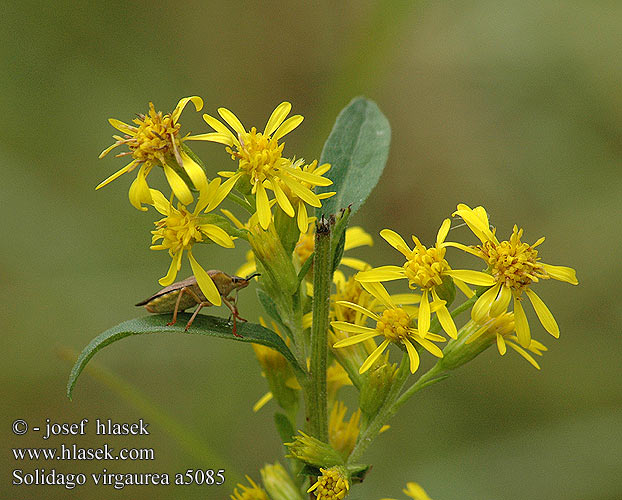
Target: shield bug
x=186, y=294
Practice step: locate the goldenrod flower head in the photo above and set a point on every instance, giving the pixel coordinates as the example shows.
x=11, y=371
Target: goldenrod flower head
x=154, y=140
x=343, y=434
x=180, y=229
x=252, y=492
x=425, y=268
x=298, y=197
x=502, y=329
x=515, y=266
x=279, y=484
x=333, y=484
x=414, y=491
x=261, y=161
x=393, y=324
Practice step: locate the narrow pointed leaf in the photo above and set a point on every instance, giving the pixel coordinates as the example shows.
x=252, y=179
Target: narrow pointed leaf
x=210, y=326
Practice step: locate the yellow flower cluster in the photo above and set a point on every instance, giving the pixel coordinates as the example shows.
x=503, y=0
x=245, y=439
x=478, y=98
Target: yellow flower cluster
x=154, y=139
x=512, y=268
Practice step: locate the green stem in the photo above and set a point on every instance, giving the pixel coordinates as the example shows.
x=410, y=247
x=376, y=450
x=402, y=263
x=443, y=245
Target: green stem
x=322, y=278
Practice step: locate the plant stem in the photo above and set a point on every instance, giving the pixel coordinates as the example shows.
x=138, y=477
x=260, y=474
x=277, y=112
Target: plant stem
x=322, y=278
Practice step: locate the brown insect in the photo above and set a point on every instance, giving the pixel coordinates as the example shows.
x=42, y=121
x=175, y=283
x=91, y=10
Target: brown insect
x=186, y=294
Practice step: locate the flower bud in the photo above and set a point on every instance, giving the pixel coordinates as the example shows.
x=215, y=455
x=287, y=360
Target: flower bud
x=279, y=484
x=314, y=452
x=377, y=385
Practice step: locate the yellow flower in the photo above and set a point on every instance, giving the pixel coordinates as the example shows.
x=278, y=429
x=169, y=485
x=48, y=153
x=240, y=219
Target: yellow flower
x=297, y=200
x=414, y=491
x=502, y=328
x=394, y=324
x=261, y=161
x=180, y=229
x=425, y=268
x=342, y=435
x=514, y=266
x=252, y=492
x=155, y=140
x=333, y=484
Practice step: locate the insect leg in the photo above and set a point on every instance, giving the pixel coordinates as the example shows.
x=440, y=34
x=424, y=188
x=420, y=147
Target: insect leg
x=174, y=320
x=234, y=313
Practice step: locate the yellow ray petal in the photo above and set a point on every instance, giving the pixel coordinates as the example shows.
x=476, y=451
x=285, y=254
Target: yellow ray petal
x=206, y=196
x=429, y=346
x=263, y=206
x=179, y=187
x=482, y=306
x=374, y=356
x=352, y=328
x=172, y=270
x=277, y=117
x=396, y=241
x=196, y=100
x=223, y=191
x=544, y=314
x=474, y=277
x=413, y=356
x=206, y=284
x=123, y=127
x=445, y=319
x=139, y=190
x=501, y=303
x=217, y=235
x=358, y=264
x=226, y=139
x=443, y=231
x=287, y=126
x=356, y=236
x=262, y=401
x=359, y=308
x=380, y=292
x=232, y=120
x=521, y=324
x=524, y=354
x=501, y=344
x=128, y=168
x=313, y=179
x=160, y=203
x=302, y=192
x=281, y=198
x=382, y=273
x=562, y=273
x=194, y=171
x=302, y=219
x=423, y=320
x=355, y=339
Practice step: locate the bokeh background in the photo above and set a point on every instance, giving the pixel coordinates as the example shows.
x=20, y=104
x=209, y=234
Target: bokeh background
x=513, y=105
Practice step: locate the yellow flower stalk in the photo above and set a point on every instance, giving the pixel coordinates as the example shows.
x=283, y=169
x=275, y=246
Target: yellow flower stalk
x=425, y=268
x=393, y=324
x=333, y=484
x=515, y=266
x=252, y=492
x=180, y=229
x=154, y=140
x=261, y=161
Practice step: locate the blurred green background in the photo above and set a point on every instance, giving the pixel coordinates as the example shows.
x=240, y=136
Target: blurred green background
x=513, y=105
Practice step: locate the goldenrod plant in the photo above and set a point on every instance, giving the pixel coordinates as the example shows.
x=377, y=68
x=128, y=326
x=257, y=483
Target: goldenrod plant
x=331, y=324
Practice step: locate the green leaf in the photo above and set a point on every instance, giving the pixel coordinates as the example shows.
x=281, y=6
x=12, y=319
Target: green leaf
x=357, y=149
x=284, y=427
x=210, y=326
x=271, y=309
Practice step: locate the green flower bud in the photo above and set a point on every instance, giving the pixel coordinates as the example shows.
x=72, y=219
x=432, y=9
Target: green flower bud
x=279, y=484
x=314, y=452
x=377, y=385
x=459, y=351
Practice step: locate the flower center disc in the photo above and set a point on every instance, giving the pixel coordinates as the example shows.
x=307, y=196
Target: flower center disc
x=394, y=324
x=426, y=266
